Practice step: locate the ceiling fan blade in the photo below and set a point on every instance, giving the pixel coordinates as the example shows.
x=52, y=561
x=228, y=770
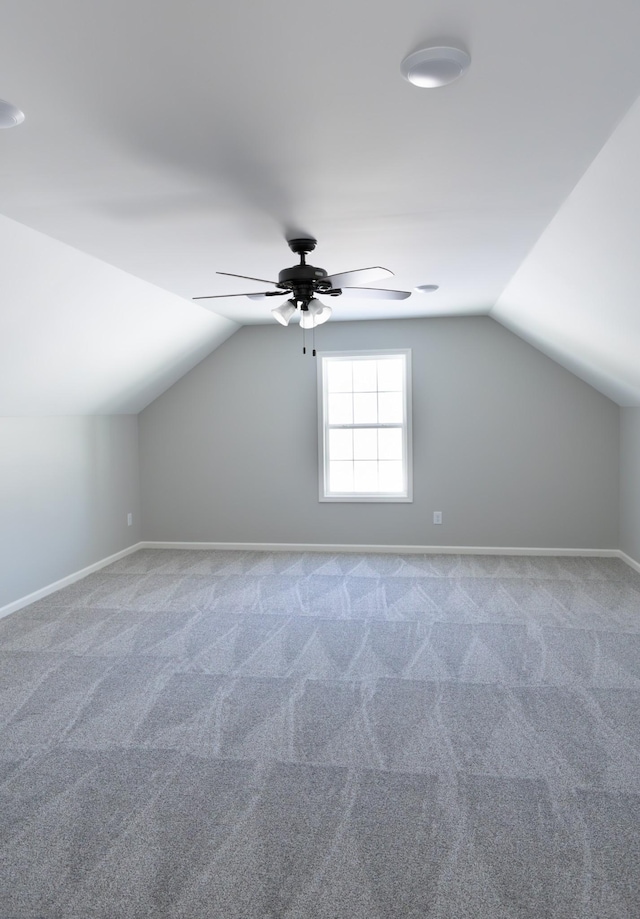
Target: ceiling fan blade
x=253, y=296
x=360, y=276
x=376, y=293
x=246, y=277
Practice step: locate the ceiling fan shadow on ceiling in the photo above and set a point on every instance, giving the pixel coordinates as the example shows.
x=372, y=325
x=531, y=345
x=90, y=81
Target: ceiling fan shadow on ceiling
x=303, y=283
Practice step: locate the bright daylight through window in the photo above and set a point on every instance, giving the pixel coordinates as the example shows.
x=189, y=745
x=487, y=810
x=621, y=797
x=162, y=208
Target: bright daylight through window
x=365, y=426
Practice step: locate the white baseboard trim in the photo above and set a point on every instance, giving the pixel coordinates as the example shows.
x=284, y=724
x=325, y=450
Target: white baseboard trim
x=64, y=582
x=311, y=547
x=398, y=550
x=630, y=561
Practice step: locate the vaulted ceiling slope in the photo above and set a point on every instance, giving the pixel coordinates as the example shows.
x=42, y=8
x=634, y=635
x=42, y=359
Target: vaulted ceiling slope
x=577, y=294
x=80, y=337
x=167, y=141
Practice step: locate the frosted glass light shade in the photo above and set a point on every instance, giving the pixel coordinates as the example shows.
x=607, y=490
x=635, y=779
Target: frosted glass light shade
x=324, y=315
x=316, y=314
x=284, y=312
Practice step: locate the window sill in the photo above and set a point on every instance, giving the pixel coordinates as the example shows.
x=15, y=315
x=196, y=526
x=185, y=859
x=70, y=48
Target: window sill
x=365, y=499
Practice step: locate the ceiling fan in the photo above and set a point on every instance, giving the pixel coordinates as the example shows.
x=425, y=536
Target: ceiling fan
x=302, y=283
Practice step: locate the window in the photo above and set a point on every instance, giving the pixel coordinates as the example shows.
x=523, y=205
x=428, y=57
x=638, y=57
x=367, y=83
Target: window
x=364, y=414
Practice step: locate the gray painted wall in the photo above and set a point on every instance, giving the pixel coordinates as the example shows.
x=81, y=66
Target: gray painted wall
x=66, y=485
x=630, y=482
x=512, y=448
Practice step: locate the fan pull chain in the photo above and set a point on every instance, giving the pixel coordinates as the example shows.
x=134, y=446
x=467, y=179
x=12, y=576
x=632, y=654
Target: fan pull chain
x=313, y=340
x=304, y=340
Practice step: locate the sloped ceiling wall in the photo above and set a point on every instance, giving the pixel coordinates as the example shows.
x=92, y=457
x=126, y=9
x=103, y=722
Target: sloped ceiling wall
x=96, y=340
x=577, y=295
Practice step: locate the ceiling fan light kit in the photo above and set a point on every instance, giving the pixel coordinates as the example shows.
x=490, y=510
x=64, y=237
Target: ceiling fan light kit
x=304, y=282
x=430, y=68
x=10, y=115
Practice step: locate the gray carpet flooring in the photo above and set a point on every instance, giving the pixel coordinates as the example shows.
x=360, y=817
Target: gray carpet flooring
x=306, y=736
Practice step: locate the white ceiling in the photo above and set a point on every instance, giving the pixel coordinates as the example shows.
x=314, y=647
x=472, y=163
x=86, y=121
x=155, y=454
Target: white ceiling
x=171, y=141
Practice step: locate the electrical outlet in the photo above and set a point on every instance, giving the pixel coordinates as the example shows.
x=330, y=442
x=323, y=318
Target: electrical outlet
x=129, y=520
x=437, y=516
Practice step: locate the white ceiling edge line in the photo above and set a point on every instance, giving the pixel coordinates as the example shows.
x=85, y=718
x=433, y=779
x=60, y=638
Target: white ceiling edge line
x=152, y=387
x=623, y=393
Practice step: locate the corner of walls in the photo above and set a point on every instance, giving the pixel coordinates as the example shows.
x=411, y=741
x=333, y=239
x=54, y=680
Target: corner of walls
x=67, y=485
x=630, y=484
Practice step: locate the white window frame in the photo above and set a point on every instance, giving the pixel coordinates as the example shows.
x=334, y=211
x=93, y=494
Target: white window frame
x=323, y=428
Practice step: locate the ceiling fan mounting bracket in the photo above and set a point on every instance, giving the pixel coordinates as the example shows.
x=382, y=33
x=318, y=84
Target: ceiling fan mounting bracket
x=302, y=245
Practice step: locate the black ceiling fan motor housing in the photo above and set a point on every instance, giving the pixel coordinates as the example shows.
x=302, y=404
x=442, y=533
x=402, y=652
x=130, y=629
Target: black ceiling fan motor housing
x=304, y=280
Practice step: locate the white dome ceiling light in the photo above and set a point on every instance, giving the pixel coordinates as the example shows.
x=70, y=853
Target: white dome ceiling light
x=10, y=115
x=427, y=288
x=433, y=67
